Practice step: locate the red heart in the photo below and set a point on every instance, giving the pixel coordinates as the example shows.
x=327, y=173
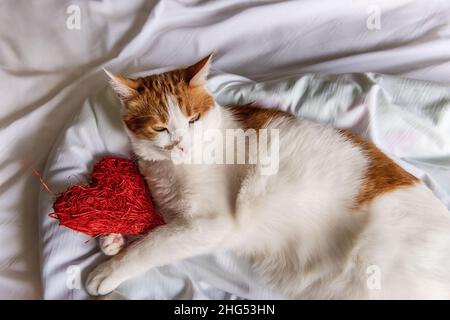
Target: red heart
x=116, y=200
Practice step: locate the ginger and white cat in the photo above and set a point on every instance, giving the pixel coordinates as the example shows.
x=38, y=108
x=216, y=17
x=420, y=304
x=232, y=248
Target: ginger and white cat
x=335, y=213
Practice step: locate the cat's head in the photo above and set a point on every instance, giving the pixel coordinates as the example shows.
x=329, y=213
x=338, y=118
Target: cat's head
x=161, y=111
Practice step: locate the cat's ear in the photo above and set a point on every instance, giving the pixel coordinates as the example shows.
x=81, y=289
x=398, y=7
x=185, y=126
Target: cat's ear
x=197, y=73
x=124, y=87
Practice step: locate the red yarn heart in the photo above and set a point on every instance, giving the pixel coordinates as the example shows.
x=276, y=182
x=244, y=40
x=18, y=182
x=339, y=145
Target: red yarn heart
x=117, y=200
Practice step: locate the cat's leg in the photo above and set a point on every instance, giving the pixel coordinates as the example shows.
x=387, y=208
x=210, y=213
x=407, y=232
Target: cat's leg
x=166, y=244
x=111, y=244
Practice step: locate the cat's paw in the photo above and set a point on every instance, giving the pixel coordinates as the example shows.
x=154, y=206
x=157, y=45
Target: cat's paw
x=103, y=279
x=111, y=244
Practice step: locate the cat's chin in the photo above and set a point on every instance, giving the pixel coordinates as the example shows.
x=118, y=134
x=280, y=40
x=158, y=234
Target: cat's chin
x=145, y=150
x=150, y=154
x=180, y=158
x=176, y=159
x=155, y=158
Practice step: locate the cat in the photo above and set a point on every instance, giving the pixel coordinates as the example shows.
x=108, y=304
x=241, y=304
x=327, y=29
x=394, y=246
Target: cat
x=336, y=219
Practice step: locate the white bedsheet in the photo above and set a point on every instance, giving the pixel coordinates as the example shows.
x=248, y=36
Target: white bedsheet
x=47, y=71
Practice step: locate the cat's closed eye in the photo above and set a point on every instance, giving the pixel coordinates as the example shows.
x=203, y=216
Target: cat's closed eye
x=160, y=129
x=195, y=118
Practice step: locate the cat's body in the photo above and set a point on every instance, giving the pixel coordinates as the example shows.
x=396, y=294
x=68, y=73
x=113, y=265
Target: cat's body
x=338, y=219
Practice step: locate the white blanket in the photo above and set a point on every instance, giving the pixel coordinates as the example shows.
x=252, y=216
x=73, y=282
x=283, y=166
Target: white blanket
x=47, y=71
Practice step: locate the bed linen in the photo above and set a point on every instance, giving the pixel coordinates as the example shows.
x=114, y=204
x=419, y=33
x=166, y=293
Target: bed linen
x=47, y=71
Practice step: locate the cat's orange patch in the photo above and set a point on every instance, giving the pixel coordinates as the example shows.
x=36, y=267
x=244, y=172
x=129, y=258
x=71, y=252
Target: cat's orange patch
x=382, y=175
x=252, y=116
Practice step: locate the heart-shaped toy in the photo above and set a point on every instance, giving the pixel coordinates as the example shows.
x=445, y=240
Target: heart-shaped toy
x=116, y=200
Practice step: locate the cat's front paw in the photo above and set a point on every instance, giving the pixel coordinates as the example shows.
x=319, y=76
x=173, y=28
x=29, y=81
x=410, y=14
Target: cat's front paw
x=111, y=244
x=103, y=279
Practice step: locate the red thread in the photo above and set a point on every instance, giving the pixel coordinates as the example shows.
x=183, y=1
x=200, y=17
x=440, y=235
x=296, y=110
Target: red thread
x=37, y=174
x=116, y=200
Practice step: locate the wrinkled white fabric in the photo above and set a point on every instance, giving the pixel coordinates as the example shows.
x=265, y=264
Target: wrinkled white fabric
x=47, y=71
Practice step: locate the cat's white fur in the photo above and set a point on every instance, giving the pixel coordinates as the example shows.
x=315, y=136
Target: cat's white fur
x=296, y=226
